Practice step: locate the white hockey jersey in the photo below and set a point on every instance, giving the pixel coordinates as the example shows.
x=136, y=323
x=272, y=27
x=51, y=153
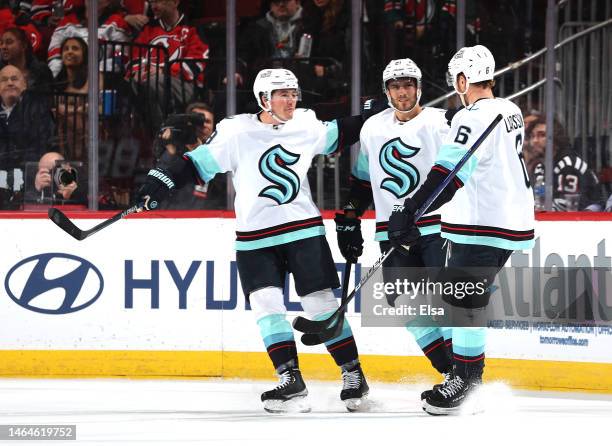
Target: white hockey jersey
x=269, y=165
x=395, y=158
x=495, y=205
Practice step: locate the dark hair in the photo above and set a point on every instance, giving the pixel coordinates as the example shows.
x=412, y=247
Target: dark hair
x=81, y=72
x=485, y=84
x=561, y=141
x=23, y=37
x=202, y=105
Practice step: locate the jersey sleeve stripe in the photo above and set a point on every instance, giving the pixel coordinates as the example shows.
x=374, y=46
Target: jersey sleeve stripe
x=205, y=163
x=331, y=139
x=361, y=169
x=450, y=155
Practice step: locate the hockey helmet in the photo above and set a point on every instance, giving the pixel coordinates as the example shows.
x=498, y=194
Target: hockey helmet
x=475, y=62
x=401, y=68
x=272, y=79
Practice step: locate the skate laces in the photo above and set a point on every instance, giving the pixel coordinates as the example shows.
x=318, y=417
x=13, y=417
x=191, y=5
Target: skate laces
x=447, y=377
x=351, y=380
x=285, y=379
x=451, y=387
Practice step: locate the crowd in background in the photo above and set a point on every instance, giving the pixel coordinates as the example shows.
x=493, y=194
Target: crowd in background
x=159, y=57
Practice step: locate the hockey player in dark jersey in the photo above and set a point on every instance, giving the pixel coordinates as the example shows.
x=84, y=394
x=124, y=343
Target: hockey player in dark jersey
x=489, y=213
x=279, y=229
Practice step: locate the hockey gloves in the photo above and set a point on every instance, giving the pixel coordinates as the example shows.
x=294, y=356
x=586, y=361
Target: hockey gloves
x=350, y=240
x=402, y=228
x=156, y=188
x=373, y=106
x=450, y=114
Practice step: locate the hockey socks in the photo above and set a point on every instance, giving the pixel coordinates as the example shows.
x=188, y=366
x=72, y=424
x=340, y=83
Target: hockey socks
x=431, y=340
x=278, y=338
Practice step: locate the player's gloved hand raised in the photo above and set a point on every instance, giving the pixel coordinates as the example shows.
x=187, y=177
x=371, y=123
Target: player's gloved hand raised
x=156, y=188
x=402, y=229
x=350, y=240
x=373, y=106
x=450, y=113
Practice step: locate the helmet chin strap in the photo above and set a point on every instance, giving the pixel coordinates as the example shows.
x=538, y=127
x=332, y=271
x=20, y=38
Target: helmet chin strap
x=418, y=99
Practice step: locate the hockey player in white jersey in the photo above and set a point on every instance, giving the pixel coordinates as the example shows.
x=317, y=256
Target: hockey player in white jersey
x=489, y=212
x=398, y=148
x=279, y=228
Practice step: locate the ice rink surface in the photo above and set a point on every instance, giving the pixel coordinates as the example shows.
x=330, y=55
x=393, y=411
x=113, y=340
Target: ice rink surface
x=228, y=412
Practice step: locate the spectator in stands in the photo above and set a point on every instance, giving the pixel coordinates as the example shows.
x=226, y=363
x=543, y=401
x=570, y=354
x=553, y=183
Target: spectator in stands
x=16, y=49
x=8, y=20
x=170, y=31
x=276, y=35
x=328, y=23
x=53, y=188
x=111, y=26
x=71, y=87
x=136, y=13
x=26, y=128
x=572, y=175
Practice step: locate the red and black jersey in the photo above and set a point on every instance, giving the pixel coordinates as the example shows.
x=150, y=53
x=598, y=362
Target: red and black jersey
x=181, y=41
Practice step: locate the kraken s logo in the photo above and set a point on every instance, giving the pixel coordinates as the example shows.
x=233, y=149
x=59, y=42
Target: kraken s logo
x=404, y=177
x=273, y=166
x=54, y=283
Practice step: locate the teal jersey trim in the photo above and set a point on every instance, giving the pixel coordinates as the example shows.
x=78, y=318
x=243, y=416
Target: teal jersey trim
x=449, y=156
x=361, y=169
x=280, y=239
x=489, y=241
x=204, y=162
x=275, y=328
x=331, y=139
x=426, y=230
x=425, y=335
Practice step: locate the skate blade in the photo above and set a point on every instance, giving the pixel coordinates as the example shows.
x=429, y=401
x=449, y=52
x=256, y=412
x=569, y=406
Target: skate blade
x=357, y=404
x=294, y=405
x=470, y=407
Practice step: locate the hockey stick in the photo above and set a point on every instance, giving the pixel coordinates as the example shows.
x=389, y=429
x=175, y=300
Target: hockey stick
x=60, y=219
x=320, y=338
x=307, y=326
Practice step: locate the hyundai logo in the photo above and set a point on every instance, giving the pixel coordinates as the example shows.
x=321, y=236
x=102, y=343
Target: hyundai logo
x=54, y=283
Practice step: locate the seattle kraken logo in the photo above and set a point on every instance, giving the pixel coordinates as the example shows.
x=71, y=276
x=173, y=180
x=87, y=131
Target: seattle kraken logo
x=404, y=176
x=273, y=166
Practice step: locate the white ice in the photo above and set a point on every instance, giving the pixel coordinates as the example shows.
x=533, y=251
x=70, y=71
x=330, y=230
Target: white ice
x=228, y=412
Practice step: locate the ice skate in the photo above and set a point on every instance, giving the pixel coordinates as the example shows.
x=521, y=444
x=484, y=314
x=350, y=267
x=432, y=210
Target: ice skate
x=355, y=389
x=289, y=396
x=452, y=396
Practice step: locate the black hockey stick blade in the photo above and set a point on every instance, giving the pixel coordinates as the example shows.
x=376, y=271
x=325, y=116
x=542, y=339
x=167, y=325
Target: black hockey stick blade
x=66, y=225
x=307, y=326
x=336, y=328
x=60, y=219
x=325, y=335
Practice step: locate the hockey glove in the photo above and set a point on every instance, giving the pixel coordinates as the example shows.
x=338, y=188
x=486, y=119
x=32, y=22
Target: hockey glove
x=373, y=106
x=402, y=228
x=156, y=188
x=350, y=240
x=450, y=114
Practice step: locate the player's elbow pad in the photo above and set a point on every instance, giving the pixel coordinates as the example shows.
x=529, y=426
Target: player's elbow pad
x=435, y=177
x=181, y=169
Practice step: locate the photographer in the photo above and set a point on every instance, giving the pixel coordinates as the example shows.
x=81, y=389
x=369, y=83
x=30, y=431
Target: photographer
x=180, y=134
x=56, y=182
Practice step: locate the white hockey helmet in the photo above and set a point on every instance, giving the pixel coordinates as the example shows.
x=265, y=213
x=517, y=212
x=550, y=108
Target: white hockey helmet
x=272, y=79
x=475, y=62
x=398, y=69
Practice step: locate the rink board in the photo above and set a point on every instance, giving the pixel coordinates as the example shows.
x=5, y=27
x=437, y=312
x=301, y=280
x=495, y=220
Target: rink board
x=161, y=297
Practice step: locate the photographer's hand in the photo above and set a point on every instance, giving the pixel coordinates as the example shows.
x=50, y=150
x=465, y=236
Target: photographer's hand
x=43, y=179
x=67, y=190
